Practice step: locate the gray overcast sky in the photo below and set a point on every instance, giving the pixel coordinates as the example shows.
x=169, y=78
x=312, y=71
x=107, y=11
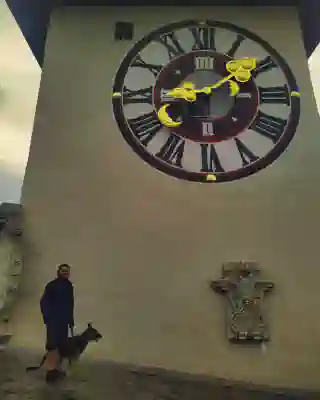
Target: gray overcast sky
x=19, y=85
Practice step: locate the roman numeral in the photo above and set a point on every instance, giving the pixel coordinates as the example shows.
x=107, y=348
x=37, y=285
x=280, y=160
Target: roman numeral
x=172, y=151
x=268, y=126
x=172, y=45
x=154, y=68
x=274, y=95
x=263, y=66
x=137, y=96
x=235, y=46
x=165, y=98
x=207, y=129
x=145, y=127
x=246, y=154
x=204, y=38
x=209, y=159
x=244, y=95
x=204, y=63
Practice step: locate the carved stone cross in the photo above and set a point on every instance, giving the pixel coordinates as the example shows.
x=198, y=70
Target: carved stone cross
x=245, y=294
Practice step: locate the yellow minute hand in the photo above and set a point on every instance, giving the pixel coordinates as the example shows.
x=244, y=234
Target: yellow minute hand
x=208, y=89
x=234, y=87
x=240, y=70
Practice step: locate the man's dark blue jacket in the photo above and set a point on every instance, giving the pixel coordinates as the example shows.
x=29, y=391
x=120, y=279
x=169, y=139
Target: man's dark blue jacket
x=57, y=302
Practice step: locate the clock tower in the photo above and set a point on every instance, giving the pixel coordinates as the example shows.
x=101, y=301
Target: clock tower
x=167, y=142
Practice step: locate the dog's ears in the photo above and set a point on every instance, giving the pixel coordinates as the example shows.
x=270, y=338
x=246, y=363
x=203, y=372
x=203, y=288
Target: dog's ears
x=89, y=325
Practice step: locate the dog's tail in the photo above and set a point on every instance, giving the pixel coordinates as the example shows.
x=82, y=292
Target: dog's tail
x=35, y=367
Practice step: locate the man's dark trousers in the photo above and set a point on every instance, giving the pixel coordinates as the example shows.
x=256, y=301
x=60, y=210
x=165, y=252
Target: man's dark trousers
x=57, y=333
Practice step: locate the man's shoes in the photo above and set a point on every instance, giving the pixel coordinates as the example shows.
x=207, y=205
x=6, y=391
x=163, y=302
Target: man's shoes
x=52, y=360
x=54, y=375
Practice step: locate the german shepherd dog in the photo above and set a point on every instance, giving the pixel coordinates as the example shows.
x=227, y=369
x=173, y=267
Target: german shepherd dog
x=70, y=350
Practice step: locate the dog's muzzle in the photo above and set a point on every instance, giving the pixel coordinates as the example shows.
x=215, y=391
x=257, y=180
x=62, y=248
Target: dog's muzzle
x=98, y=338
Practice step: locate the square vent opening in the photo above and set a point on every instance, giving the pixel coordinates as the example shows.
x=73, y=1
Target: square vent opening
x=123, y=31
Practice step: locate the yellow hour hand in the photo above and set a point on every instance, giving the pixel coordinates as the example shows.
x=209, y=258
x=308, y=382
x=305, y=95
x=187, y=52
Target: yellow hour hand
x=186, y=92
x=165, y=118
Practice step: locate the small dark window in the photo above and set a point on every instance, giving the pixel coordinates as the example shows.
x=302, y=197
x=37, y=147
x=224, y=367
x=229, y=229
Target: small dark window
x=123, y=31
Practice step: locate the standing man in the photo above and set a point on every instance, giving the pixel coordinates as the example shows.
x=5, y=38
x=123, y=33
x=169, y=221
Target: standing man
x=57, y=309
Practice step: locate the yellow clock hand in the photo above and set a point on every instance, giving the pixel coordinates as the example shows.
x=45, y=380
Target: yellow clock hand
x=208, y=89
x=189, y=94
x=234, y=87
x=221, y=82
x=165, y=118
x=186, y=92
x=239, y=69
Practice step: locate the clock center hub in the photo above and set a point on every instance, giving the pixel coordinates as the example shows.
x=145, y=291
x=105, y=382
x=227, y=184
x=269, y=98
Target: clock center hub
x=219, y=102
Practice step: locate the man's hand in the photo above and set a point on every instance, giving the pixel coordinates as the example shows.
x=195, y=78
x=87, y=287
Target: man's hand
x=72, y=329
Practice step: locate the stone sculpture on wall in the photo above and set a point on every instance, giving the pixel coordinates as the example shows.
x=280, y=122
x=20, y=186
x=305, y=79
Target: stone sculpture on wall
x=245, y=294
x=10, y=263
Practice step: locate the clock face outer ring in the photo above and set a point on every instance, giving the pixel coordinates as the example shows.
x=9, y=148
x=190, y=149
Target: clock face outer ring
x=179, y=173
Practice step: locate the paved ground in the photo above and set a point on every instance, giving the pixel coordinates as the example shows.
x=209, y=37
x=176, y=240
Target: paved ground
x=110, y=381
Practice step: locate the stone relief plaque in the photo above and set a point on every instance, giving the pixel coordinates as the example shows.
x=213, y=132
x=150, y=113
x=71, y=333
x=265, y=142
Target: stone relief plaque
x=245, y=293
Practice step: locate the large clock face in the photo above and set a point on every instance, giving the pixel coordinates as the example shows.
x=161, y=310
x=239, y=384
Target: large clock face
x=221, y=133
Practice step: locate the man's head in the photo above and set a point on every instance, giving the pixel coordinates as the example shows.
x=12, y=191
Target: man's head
x=63, y=271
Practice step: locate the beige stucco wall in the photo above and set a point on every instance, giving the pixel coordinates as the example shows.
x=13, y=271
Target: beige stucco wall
x=143, y=245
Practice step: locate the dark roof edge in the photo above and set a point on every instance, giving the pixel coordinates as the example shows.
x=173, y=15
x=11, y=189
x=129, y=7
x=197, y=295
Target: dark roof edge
x=33, y=18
